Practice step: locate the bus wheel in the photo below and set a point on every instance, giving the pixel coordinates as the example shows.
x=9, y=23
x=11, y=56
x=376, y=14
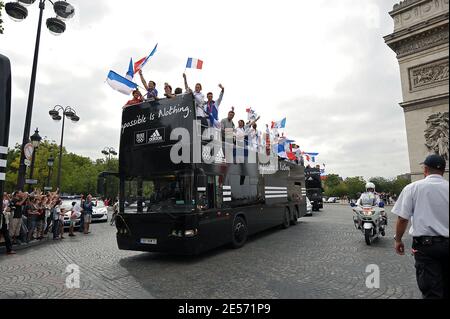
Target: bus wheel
x=295, y=217
x=240, y=232
x=286, y=219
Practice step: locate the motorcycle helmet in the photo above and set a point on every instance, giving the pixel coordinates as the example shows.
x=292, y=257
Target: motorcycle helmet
x=370, y=187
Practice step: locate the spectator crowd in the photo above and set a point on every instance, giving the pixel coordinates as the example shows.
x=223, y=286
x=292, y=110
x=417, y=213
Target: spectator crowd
x=27, y=217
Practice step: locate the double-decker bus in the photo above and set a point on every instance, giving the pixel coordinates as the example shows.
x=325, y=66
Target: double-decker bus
x=314, y=187
x=200, y=203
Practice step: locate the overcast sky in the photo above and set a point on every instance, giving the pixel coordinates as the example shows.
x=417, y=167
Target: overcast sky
x=322, y=64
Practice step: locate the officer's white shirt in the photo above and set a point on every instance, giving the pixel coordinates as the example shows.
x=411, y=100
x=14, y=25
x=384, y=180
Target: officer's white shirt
x=425, y=203
x=368, y=197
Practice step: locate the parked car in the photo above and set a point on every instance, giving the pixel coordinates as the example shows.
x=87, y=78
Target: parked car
x=100, y=212
x=309, y=207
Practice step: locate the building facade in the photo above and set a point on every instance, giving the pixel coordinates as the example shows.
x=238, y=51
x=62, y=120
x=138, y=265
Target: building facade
x=420, y=40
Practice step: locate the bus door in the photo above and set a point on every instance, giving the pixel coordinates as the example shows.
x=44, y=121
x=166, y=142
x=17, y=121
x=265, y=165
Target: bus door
x=215, y=217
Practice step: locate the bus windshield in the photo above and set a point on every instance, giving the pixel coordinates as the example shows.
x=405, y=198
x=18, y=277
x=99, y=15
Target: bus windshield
x=163, y=194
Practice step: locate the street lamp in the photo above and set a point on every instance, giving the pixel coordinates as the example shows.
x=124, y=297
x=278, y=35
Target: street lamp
x=35, y=141
x=17, y=11
x=50, y=163
x=55, y=115
x=108, y=151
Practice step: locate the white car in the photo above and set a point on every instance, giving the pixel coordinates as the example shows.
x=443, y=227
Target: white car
x=308, y=207
x=332, y=200
x=100, y=212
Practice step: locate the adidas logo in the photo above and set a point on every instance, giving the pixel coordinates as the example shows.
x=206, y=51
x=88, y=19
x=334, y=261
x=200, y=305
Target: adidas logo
x=156, y=137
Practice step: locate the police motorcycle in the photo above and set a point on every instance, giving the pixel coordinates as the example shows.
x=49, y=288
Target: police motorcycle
x=369, y=218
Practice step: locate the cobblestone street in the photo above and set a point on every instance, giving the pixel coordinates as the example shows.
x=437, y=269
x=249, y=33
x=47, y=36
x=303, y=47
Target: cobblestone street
x=322, y=257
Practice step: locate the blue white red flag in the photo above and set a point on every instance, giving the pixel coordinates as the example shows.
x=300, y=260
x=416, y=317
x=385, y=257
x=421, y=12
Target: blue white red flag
x=121, y=84
x=251, y=114
x=142, y=62
x=194, y=64
x=279, y=125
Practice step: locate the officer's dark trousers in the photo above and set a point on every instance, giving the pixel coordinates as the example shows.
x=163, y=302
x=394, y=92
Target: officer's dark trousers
x=432, y=268
x=5, y=233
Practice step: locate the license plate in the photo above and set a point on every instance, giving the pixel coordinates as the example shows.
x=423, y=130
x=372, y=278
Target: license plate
x=147, y=241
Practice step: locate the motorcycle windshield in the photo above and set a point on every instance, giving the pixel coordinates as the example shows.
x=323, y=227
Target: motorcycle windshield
x=368, y=199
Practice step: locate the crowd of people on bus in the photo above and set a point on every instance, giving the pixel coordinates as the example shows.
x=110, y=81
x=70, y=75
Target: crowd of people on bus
x=206, y=109
x=26, y=217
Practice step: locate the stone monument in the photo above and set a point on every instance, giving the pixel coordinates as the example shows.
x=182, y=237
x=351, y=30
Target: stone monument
x=420, y=40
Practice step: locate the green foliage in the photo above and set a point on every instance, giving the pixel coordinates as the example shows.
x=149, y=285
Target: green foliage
x=336, y=187
x=382, y=184
x=78, y=174
x=355, y=185
x=1, y=21
x=332, y=181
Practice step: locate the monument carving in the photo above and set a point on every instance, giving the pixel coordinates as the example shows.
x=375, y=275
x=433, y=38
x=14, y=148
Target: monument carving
x=436, y=134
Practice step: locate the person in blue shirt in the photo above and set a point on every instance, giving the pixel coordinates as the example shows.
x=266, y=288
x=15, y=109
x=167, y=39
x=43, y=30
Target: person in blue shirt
x=88, y=210
x=152, y=92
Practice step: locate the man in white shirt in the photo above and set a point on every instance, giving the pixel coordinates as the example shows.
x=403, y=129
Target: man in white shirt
x=426, y=204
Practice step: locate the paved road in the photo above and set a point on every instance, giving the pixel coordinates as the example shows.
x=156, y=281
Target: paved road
x=322, y=257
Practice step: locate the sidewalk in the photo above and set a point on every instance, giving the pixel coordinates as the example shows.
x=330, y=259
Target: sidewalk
x=33, y=243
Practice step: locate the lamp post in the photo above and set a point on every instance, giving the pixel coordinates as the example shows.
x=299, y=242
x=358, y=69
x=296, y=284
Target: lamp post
x=18, y=12
x=36, y=141
x=50, y=163
x=70, y=114
x=108, y=151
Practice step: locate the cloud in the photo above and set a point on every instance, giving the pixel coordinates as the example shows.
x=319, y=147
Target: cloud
x=323, y=64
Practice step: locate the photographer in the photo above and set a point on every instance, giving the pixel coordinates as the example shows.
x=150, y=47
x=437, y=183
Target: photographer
x=4, y=221
x=17, y=204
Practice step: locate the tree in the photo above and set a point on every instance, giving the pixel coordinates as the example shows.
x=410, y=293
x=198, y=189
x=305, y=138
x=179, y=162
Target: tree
x=332, y=181
x=399, y=184
x=78, y=174
x=355, y=185
x=1, y=21
x=382, y=184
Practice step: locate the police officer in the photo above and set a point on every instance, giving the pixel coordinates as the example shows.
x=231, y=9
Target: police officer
x=426, y=204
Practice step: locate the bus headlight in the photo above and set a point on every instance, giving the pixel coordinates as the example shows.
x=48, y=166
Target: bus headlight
x=190, y=233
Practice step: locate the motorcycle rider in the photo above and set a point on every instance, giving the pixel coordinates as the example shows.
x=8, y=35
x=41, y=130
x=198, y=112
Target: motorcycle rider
x=371, y=198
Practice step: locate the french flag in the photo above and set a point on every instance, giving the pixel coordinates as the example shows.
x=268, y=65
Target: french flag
x=142, y=62
x=194, y=64
x=280, y=124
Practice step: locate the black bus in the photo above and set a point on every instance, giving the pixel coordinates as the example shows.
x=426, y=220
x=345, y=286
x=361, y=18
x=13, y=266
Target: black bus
x=191, y=206
x=314, y=187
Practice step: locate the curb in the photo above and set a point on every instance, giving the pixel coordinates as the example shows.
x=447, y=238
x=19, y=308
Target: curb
x=24, y=246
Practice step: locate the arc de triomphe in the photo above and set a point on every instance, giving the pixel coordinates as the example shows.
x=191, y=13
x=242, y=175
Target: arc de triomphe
x=420, y=40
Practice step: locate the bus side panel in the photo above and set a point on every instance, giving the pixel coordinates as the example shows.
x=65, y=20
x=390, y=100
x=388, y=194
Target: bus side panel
x=297, y=189
x=276, y=200
x=214, y=229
